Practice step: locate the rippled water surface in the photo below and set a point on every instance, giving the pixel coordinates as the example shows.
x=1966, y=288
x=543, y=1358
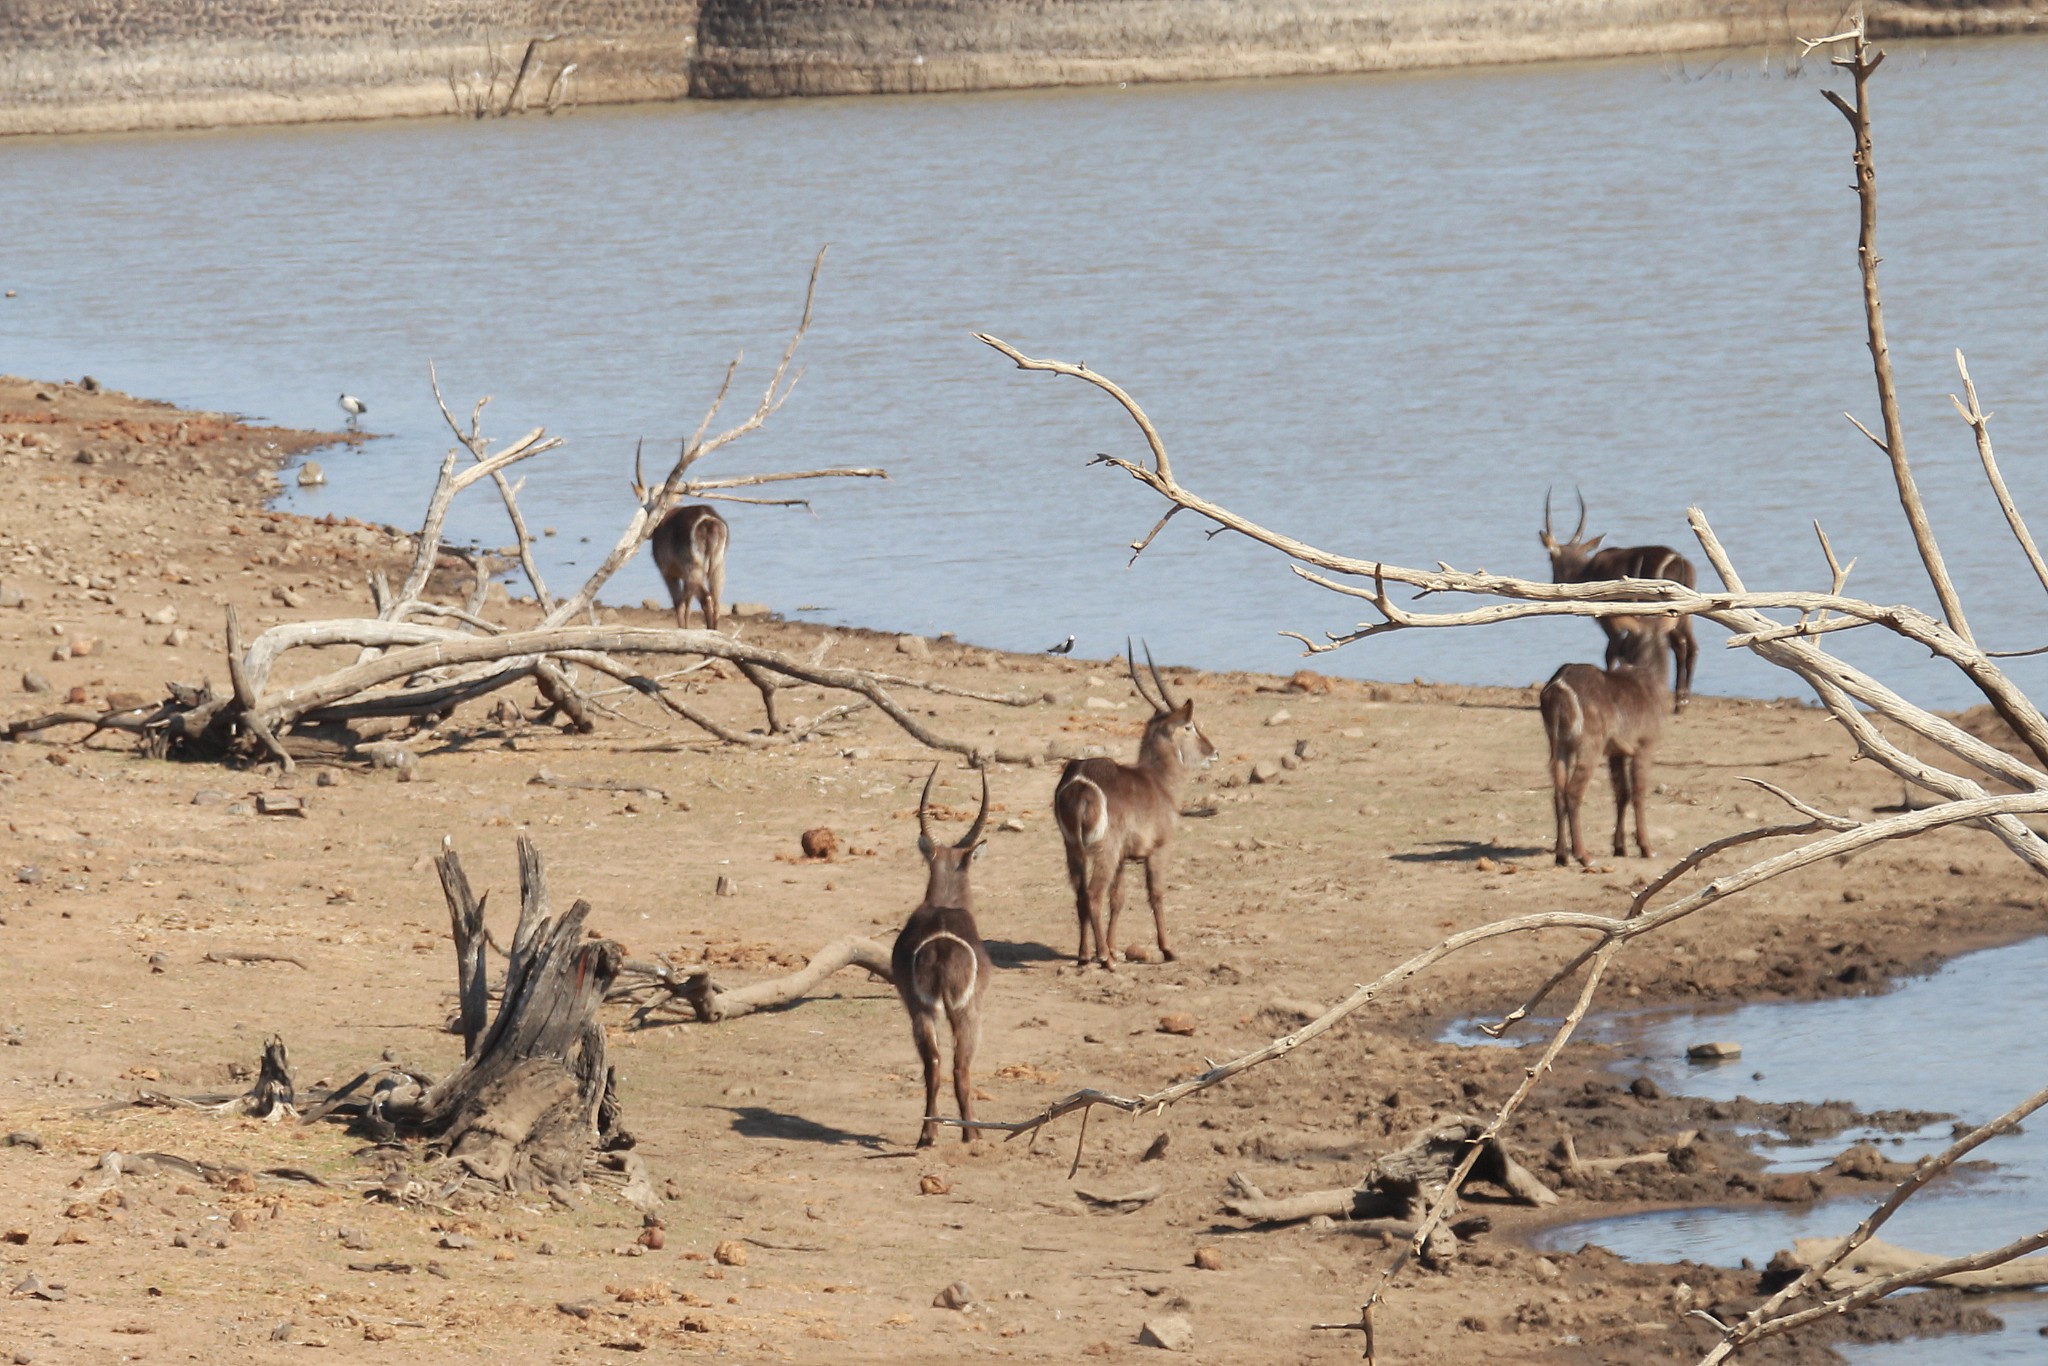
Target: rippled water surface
x=1965, y=1041
x=1384, y=313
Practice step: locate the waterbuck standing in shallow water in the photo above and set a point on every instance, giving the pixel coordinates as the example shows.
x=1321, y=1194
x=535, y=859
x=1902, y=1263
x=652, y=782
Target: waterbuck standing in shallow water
x=1111, y=813
x=1577, y=561
x=940, y=965
x=1616, y=714
x=689, y=554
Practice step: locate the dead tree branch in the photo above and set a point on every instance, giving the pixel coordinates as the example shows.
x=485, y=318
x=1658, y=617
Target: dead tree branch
x=659, y=987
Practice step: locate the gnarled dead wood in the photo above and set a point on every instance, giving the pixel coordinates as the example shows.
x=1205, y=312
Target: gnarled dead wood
x=658, y=987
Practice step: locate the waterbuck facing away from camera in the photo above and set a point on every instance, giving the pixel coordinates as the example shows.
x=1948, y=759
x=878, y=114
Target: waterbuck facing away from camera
x=1616, y=714
x=940, y=965
x=1111, y=813
x=1577, y=561
x=689, y=554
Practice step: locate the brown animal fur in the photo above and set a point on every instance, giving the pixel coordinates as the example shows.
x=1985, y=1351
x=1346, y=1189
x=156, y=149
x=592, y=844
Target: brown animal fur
x=1111, y=814
x=1616, y=714
x=689, y=553
x=1582, y=561
x=941, y=966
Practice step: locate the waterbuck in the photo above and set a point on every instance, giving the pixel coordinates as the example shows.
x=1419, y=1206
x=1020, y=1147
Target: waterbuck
x=1616, y=714
x=689, y=554
x=1111, y=813
x=940, y=965
x=1577, y=561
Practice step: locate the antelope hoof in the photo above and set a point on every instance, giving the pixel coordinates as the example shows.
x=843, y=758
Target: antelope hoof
x=925, y=1140
x=1168, y=954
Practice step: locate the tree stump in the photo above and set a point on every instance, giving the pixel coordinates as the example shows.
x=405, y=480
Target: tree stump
x=533, y=1098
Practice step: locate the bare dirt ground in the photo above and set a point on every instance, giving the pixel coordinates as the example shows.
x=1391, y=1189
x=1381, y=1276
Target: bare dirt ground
x=128, y=526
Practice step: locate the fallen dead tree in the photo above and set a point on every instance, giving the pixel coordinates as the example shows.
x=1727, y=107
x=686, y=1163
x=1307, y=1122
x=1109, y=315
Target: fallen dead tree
x=1400, y=1185
x=1974, y=785
x=421, y=658
x=661, y=993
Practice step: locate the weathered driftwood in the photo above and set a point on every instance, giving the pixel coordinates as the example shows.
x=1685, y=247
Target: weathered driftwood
x=1877, y=1260
x=1400, y=1184
x=526, y=1108
x=658, y=987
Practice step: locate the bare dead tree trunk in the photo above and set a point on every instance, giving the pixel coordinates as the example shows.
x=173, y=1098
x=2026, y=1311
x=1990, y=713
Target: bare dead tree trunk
x=524, y=1110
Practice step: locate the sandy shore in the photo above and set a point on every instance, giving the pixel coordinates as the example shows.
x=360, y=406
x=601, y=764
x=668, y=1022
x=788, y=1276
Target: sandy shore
x=131, y=526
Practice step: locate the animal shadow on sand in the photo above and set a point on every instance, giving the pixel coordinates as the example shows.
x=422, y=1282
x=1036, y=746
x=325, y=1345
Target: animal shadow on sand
x=1009, y=953
x=1466, y=851
x=758, y=1121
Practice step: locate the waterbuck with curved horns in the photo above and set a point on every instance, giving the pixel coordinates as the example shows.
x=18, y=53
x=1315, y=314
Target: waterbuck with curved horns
x=940, y=964
x=1111, y=814
x=689, y=553
x=1582, y=561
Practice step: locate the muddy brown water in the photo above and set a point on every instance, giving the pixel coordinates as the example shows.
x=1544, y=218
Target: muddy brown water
x=1382, y=312
x=1964, y=1040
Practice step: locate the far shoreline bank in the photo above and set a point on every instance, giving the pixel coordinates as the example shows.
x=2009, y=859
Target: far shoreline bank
x=92, y=73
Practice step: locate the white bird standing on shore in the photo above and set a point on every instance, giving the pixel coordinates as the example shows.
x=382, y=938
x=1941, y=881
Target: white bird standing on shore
x=354, y=407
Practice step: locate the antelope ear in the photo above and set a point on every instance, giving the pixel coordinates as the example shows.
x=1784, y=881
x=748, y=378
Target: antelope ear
x=1183, y=713
x=1546, y=540
x=974, y=854
x=924, y=846
x=1594, y=544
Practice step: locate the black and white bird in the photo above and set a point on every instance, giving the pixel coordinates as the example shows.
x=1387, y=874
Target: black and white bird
x=353, y=406
x=1065, y=647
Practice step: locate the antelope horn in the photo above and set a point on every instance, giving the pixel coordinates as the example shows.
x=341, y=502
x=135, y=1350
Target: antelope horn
x=1131, y=663
x=973, y=835
x=924, y=815
x=639, y=478
x=1580, y=529
x=1547, y=531
x=1160, y=683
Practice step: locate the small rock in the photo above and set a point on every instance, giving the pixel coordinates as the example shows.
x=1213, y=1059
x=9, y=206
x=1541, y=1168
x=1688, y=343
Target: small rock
x=1173, y=1333
x=954, y=1296
x=23, y=1138
x=28, y=875
x=1177, y=1023
x=1100, y=704
x=1483, y=864
x=457, y=1242
x=1304, y=750
x=76, y=696
x=81, y=646
x=751, y=609
x=207, y=796
x=1864, y=1162
x=327, y=778
x=820, y=843
x=1321, y=1223
x=1265, y=771
x=654, y=1238
x=238, y=1222
x=1140, y=953
x=917, y=647
x=288, y=597
x=378, y=1332
x=726, y=886
x=1156, y=1149
x=177, y=637
x=10, y=596
x=34, y=682
x=730, y=1253
x=1712, y=1051
x=1280, y=717
x=311, y=475
x=163, y=616
x=933, y=1183
x=1208, y=1259
x=1792, y=1189
x=279, y=804
x=1642, y=1088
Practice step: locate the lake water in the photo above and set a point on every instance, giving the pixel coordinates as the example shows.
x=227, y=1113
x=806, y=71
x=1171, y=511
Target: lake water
x=1959, y=1041
x=1382, y=312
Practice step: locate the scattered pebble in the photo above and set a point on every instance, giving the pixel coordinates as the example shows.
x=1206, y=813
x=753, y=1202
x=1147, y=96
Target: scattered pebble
x=1178, y=1022
x=954, y=1296
x=1173, y=1333
x=1714, y=1050
x=1208, y=1259
x=730, y=1253
x=32, y=681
